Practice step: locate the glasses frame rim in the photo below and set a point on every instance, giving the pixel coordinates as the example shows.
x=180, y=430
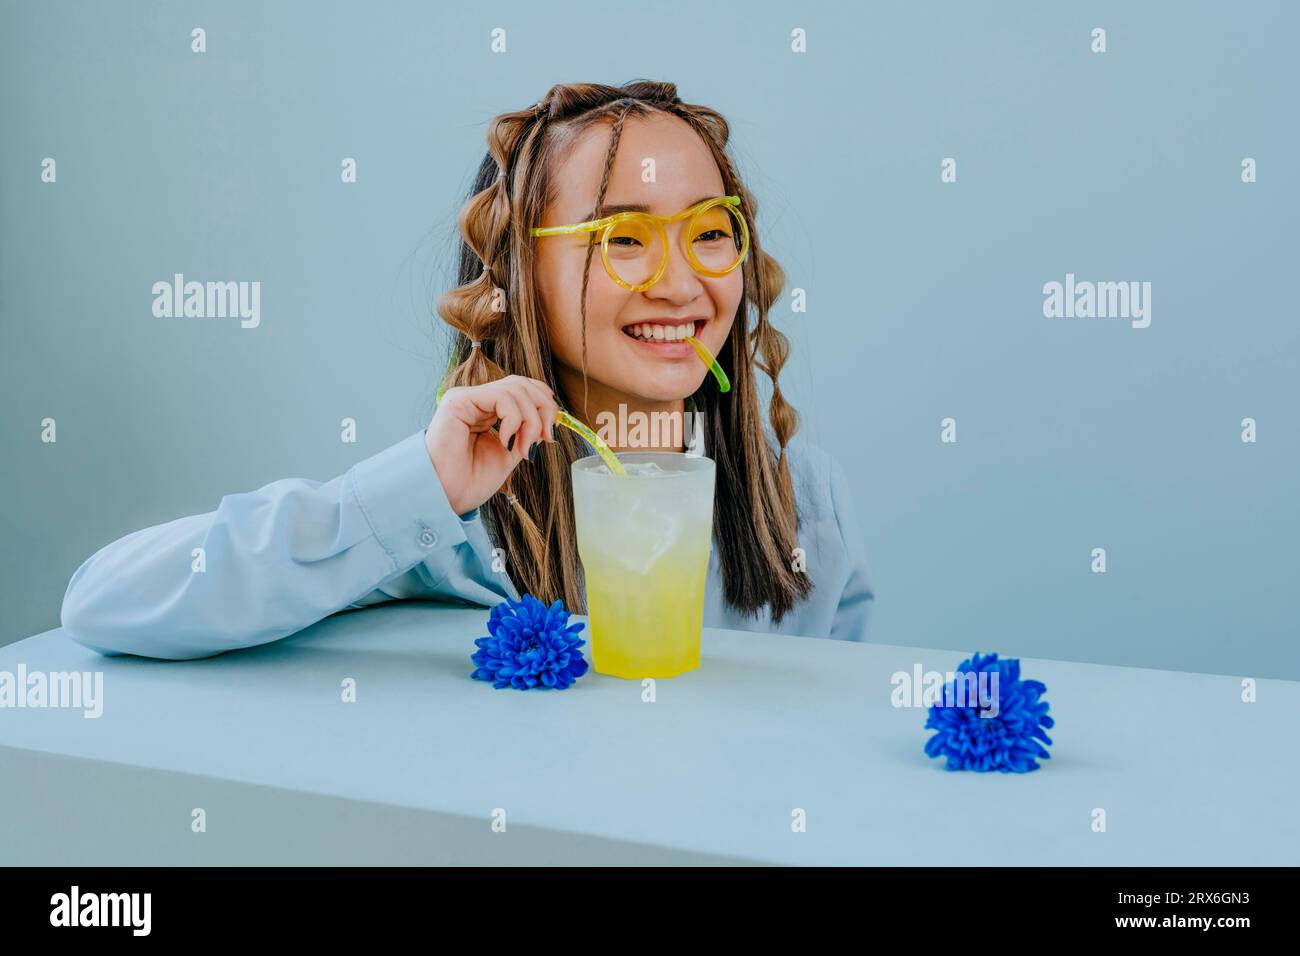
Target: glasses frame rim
x=607, y=224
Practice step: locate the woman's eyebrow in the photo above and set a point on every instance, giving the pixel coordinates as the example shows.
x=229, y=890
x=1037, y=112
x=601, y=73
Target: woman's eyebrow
x=609, y=210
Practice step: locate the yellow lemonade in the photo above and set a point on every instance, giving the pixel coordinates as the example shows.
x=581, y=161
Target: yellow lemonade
x=645, y=541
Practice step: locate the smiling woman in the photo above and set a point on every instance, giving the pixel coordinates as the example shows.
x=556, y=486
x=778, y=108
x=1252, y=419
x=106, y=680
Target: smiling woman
x=678, y=255
x=606, y=236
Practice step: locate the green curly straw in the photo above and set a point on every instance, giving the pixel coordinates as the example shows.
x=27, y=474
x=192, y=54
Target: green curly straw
x=568, y=421
x=724, y=385
x=594, y=440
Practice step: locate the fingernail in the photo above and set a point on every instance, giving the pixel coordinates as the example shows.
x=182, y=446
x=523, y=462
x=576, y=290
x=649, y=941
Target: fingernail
x=552, y=431
x=510, y=445
x=532, y=452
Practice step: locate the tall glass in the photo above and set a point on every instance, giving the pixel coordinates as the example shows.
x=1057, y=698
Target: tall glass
x=645, y=541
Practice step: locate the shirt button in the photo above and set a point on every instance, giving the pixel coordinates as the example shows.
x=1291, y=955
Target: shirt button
x=428, y=538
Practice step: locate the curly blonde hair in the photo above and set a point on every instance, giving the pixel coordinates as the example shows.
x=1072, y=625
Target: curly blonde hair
x=756, y=518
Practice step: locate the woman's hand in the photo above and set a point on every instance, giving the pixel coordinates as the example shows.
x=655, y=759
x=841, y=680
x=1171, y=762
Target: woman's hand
x=470, y=461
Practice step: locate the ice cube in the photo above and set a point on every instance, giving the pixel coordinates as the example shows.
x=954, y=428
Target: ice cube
x=637, y=469
x=642, y=533
x=645, y=469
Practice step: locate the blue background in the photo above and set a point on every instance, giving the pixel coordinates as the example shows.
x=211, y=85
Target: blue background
x=924, y=298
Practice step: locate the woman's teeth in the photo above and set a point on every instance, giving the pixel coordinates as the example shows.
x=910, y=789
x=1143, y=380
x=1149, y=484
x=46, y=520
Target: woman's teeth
x=649, y=332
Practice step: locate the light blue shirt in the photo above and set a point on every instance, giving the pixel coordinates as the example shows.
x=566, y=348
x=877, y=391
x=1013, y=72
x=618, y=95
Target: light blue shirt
x=280, y=558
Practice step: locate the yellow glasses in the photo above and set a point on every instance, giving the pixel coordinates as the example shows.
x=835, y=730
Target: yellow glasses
x=634, y=245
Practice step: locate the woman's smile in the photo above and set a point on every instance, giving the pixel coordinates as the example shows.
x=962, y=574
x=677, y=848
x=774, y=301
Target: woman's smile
x=664, y=337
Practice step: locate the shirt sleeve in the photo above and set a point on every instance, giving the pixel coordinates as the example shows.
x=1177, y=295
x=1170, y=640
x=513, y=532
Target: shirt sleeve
x=853, y=615
x=267, y=563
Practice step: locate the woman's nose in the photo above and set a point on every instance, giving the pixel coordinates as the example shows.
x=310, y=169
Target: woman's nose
x=680, y=282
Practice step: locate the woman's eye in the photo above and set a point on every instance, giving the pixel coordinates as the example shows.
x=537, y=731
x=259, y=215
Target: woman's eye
x=713, y=235
x=624, y=241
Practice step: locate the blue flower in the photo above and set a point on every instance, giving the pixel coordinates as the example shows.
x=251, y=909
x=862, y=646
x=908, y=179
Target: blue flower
x=530, y=645
x=1009, y=739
